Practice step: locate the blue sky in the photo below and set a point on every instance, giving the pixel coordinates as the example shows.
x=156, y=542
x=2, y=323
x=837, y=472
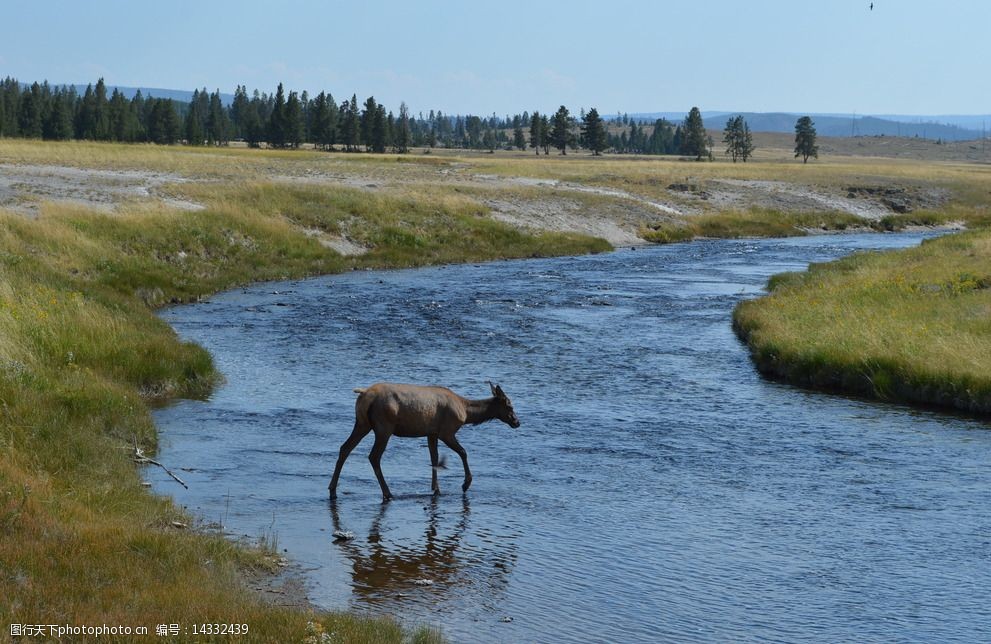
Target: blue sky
x=905, y=56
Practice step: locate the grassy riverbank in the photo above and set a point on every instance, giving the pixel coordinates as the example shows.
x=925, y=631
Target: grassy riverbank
x=761, y=222
x=910, y=326
x=82, y=355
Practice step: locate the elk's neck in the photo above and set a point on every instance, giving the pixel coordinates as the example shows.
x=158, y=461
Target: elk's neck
x=479, y=411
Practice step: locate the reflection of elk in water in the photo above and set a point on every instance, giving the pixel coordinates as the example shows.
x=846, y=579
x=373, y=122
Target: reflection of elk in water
x=412, y=411
x=380, y=568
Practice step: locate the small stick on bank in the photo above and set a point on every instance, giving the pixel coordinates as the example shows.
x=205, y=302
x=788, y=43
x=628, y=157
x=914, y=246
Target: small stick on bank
x=141, y=459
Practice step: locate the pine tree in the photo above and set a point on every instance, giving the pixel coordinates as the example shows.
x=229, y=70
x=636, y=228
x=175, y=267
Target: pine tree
x=805, y=139
x=58, y=124
x=367, y=121
x=694, y=140
x=545, y=134
x=473, y=127
x=277, y=120
x=217, y=122
x=324, y=126
x=30, y=119
x=489, y=140
x=101, y=130
x=85, y=121
x=638, y=138
x=163, y=121
x=390, y=129
x=594, y=132
x=519, y=138
x=536, y=138
x=117, y=111
x=293, y=121
x=249, y=121
x=136, y=130
x=238, y=111
x=402, y=134
x=304, y=104
x=11, y=99
x=662, y=138
x=349, y=124
x=332, y=119
x=738, y=140
x=561, y=136
x=747, y=143
x=732, y=136
x=194, y=122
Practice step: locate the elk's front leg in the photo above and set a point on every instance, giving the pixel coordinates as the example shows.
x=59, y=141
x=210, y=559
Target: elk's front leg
x=453, y=443
x=434, y=461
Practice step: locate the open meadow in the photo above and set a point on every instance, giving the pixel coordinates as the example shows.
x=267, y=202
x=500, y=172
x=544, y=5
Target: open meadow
x=96, y=236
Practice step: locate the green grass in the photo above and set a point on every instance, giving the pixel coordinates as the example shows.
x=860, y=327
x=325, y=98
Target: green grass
x=762, y=222
x=751, y=223
x=911, y=326
x=402, y=227
x=82, y=356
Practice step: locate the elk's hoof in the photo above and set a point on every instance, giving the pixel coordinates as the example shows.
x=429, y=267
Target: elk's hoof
x=465, y=486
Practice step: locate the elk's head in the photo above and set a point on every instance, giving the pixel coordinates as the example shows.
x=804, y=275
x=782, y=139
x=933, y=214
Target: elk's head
x=504, y=407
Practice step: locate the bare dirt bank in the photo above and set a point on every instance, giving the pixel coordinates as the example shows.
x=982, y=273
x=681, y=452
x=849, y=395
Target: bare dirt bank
x=24, y=187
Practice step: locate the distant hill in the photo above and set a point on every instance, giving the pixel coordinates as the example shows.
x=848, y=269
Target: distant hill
x=181, y=95
x=977, y=122
x=927, y=127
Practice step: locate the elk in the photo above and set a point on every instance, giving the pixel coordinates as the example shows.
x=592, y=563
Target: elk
x=414, y=411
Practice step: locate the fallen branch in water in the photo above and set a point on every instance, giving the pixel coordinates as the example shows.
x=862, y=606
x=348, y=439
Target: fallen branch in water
x=141, y=459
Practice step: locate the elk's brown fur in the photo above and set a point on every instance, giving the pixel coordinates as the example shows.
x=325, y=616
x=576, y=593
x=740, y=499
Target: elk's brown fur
x=413, y=411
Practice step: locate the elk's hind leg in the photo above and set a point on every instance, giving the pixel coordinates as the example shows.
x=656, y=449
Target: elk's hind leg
x=381, y=440
x=358, y=433
x=432, y=444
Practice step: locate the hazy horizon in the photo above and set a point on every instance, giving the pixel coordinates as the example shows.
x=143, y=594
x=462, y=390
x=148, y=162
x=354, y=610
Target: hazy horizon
x=907, y=58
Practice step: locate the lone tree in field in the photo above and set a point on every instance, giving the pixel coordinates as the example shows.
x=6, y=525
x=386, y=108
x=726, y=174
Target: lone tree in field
x=739, y=142
x=594, y=132
x=693, y=137
x=805, y=139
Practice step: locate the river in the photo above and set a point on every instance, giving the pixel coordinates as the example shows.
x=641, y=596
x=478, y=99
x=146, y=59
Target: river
x=658, y=490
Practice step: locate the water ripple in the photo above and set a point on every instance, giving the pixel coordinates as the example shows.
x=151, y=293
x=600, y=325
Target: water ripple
x=658, y=489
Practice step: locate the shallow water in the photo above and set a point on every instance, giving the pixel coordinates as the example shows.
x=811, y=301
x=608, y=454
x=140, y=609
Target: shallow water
x=658, y=489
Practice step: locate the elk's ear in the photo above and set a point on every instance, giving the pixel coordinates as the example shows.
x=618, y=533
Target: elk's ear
x=494, y=388
x=499, y=392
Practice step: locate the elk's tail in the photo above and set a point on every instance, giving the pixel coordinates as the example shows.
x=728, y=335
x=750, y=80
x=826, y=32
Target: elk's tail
x=359, y=390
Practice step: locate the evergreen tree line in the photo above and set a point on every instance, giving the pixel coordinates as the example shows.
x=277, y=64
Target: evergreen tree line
x=283, y=120
x=60, y=113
